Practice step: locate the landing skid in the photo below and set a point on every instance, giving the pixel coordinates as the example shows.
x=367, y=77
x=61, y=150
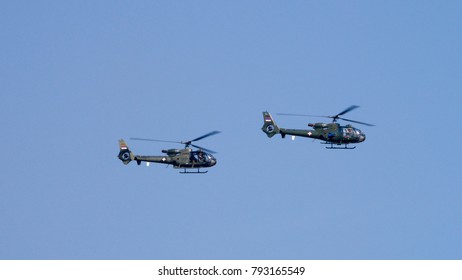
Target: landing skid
x=193, y=172
x=337, y=148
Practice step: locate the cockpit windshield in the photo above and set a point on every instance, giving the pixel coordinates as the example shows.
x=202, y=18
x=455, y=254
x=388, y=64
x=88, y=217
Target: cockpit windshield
x=209, y=157
x=204, y=157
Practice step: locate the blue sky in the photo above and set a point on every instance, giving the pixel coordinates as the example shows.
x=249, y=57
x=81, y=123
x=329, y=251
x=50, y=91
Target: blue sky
x=76, y=76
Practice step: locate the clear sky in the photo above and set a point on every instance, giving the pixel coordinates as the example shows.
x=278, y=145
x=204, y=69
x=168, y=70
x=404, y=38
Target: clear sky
x=76, y=76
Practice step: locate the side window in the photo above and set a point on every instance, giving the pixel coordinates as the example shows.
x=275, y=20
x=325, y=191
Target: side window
x=347, y=132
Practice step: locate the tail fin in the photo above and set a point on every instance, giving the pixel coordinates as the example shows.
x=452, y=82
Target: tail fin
x=269, y=127
x=125, y=155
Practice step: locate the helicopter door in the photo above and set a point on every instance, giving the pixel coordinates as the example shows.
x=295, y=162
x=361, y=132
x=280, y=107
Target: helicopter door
x=193, y=157
x=203, y=157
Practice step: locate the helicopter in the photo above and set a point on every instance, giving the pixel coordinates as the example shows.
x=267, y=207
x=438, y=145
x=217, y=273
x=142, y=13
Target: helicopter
x=185, y=159
x=331, y=133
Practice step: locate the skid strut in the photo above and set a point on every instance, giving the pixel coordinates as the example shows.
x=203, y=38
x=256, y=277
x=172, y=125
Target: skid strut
x=338, y=148
x=193, y=172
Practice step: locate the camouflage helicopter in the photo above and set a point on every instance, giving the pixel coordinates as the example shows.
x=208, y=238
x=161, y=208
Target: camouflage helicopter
x=185, y=159
x=330, y=133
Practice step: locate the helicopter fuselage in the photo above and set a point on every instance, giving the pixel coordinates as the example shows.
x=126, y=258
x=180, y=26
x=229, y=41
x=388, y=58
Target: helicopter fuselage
x=181, y=158
x=329, y=132
x=178, y=158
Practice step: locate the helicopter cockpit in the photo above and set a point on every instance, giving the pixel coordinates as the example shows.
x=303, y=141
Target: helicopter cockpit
x=350, y=132
x=201, y=156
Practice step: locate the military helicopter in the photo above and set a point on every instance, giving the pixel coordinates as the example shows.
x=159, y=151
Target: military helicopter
x=185, y=159
x=331, y=133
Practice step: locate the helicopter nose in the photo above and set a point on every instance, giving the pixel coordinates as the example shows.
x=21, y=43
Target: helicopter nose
x=362, y=138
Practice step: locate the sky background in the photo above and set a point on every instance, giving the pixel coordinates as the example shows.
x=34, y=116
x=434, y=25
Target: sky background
x=76, y=76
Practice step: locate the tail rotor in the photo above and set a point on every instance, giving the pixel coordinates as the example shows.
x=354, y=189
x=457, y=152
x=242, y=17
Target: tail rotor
x=125, y=155
x=269, y=126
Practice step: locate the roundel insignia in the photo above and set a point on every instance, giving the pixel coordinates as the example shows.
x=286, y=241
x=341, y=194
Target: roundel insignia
x=270, y=128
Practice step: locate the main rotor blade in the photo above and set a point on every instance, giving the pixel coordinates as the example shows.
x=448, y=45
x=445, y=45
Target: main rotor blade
x=301, y=115
x=204, y=149
x=332, y=117
x=352, y=107
x=368, y=124
x=154, y=140
x=204, y=136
